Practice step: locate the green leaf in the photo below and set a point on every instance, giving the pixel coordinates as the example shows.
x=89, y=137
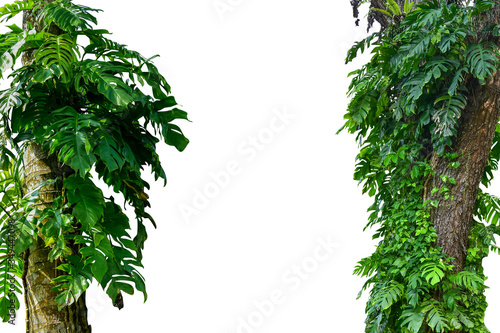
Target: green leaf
x=413, y=321
x=68, y=18
x=115, y=221
x=109, y=151
x=11, y=10
x=408, y=6
x=58, y=50
x=87, y=200
x=112, y=87
x=73, y=287
x=483, y=60
x=174, y=136
x=100, y=266
x=393, y=7
x=383, y=11
x=15, y=28
x=125, y=287
x=140, y=285
x=81, y=160
x=433, y=272
x=43, y=75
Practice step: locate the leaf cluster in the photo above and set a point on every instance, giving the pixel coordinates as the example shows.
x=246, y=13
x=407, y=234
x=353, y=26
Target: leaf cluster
x=86, y=99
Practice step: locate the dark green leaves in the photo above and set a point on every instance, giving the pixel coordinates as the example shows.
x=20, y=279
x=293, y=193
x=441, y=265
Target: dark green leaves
x=71, y=138
x=56, y=225
x=405, y=107
x=109, y=151
x=42, y=75
x=91, y=110
x=99, y=266
x=111, y=86
x=360, y=46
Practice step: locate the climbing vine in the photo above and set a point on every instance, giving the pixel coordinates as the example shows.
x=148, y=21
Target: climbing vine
x=97, y=106
x=406, y=104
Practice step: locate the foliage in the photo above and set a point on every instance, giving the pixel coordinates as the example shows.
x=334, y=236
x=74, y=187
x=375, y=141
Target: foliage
x=405, y=104
x=85, y=99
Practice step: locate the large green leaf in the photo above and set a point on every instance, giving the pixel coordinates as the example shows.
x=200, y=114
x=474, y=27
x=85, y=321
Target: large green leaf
x=70, y=286
x=68, y=17
x=11, y=10
x=87, y=200
x=100, y=266
x=109, y=151
x=483, y=60
x=112, y=87
x=58, y=50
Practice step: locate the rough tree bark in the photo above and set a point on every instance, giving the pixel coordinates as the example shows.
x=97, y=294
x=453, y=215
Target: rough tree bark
x=452, y=218
x=42, y=314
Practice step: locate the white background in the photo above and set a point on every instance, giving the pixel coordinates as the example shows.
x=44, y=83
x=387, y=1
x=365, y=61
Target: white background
x=233, y=72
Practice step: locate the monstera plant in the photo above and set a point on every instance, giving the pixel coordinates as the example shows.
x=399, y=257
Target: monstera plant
x=79, y=106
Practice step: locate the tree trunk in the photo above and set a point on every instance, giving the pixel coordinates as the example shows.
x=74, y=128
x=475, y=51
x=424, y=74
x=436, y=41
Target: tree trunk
x=452, y=218
x=42, y=314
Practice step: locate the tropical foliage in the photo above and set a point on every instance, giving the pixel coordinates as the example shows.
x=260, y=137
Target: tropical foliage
x=405, y=104
x=99, y=107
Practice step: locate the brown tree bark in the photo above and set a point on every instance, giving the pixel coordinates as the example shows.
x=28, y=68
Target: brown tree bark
x=452, y=218
x=42, y=313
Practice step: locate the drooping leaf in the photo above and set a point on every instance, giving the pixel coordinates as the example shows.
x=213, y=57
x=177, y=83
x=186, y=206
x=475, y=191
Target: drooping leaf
x=87, y=200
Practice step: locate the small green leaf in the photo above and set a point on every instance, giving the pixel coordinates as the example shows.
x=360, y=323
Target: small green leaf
x=174, y=136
